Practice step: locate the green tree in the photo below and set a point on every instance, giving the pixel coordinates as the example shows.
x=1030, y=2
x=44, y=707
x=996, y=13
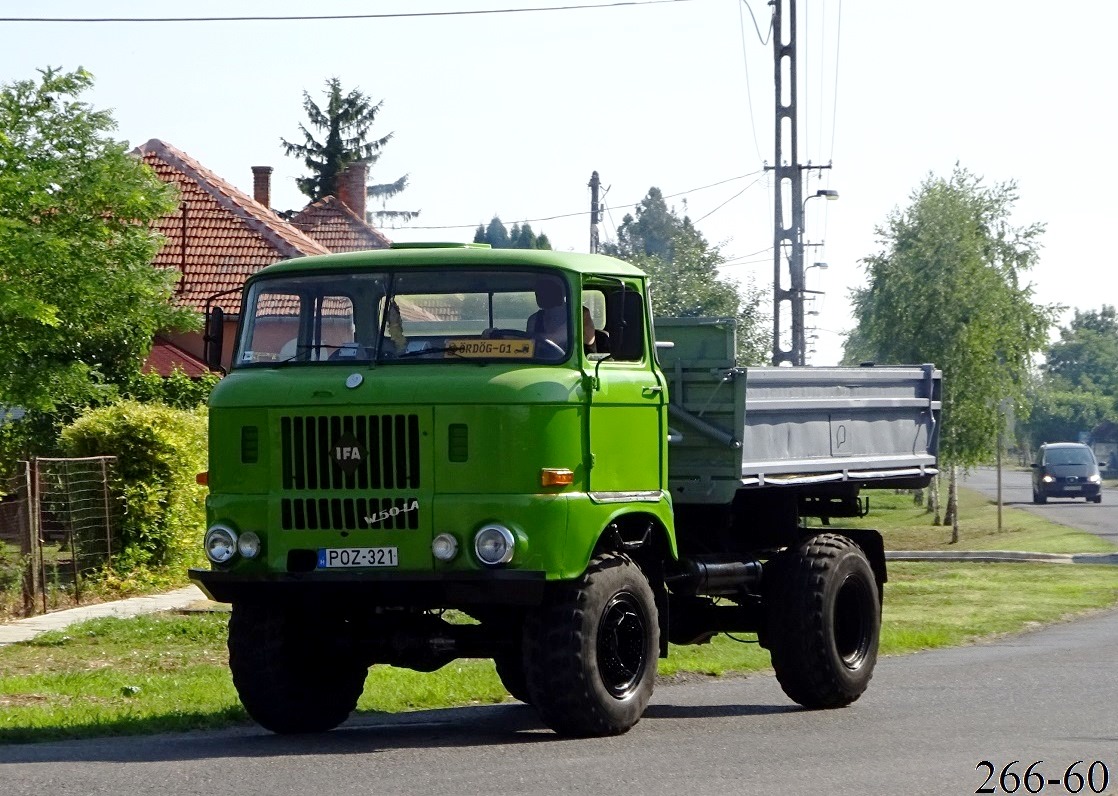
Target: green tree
x=1078, y=385
x=520, y=236
x=79, y=299
x=344, y=125
x=946, y=288
x=1059, y=415
x=684, y=269
x=1086, y=355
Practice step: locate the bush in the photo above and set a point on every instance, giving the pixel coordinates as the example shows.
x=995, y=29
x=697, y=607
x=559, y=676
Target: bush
x=178, y=389
x=159, y=452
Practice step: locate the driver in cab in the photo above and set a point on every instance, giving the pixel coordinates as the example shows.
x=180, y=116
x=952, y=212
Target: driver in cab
x=550, y=321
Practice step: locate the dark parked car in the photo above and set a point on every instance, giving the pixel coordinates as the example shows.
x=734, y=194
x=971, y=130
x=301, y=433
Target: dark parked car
x=1066, y=470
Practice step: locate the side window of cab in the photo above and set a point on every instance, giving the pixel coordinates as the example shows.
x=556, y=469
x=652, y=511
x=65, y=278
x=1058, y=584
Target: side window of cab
x=625, y=324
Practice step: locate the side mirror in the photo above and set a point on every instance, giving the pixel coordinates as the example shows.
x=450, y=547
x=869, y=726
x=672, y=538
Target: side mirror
x=1035, y=465
x=214, y=337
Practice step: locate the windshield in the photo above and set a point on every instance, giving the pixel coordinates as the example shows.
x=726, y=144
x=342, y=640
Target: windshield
x=1068, y=456
x=429, y=315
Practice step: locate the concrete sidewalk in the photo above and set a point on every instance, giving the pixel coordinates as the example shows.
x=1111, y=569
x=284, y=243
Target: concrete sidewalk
x=27, y=629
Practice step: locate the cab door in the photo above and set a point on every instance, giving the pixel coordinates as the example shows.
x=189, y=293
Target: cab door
x=627, y=406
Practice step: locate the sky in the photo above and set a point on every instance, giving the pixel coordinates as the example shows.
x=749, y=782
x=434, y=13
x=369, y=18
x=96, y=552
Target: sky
x=509, y=113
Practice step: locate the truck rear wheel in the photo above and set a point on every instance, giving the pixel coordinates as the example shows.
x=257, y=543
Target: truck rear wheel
x=288, y=676
x=591, y=650
x=824, y=616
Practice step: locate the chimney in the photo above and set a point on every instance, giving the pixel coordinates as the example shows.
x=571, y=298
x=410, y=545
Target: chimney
x=262, y=185
x=351, y=187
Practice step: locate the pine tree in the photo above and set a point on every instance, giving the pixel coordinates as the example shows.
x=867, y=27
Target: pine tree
x=344, y=125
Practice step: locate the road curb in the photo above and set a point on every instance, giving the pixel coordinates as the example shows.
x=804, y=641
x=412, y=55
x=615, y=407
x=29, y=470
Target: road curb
x=1001, y=556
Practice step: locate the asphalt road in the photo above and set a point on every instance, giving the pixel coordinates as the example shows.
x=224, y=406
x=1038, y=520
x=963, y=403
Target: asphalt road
x=1100, y=519
x=924, y=726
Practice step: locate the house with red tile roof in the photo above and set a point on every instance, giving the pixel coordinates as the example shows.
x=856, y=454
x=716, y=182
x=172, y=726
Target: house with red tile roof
x=339, y=222
x=218, y=236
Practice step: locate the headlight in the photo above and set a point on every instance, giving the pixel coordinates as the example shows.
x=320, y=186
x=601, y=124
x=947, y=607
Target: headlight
x=444, y=547
x=221, y=544
x=1048, y=479
x=248, y=545
x=494, y=545
x=1094, y=479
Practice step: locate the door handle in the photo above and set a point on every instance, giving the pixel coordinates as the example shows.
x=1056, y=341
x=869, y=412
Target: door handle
x=654, y=388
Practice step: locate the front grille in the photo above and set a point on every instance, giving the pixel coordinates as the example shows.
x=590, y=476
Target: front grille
x=382, y=452
x=349, y=514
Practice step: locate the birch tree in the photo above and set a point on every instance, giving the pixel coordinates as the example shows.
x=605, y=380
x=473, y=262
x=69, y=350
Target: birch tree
x=948, y=287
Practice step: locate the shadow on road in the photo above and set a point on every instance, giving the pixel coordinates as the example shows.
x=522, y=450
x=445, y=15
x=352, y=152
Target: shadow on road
x=510, y=723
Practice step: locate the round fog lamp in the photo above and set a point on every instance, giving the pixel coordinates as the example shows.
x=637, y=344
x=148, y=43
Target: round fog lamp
x=444, y=547
x=494, y=545
x=248, y=545
x=221, y=544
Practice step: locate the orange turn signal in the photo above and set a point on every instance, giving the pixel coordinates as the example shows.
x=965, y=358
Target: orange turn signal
x=556, y=476
x=203, y=479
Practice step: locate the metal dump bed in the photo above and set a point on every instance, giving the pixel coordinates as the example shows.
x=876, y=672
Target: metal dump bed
x=738, y=428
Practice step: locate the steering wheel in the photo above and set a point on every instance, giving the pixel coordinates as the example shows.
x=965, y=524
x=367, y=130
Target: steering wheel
x=504, y=334
x=549, y=349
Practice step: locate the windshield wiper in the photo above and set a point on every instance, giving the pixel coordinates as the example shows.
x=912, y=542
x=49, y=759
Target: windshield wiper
x=301, y=351
x=444, y=350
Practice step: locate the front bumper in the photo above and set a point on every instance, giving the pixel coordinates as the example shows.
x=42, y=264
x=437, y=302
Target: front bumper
x=507, y=587
x=1082, y=489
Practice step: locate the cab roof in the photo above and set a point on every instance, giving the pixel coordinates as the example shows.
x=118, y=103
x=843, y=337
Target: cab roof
x=454, y=255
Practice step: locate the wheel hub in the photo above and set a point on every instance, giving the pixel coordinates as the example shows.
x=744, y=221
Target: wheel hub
x=622, y=638
x=852, y=631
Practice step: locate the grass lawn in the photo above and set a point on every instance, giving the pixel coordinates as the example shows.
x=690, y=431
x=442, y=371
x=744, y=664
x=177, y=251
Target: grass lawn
x=169, y=672
x=908, y=527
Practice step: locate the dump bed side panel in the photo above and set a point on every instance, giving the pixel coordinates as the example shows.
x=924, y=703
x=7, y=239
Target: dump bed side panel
x=768, y=427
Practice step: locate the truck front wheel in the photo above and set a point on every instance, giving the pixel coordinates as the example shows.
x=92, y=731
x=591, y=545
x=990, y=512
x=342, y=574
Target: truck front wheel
x=510, y=670
x=288, y=674
x=824, y=617
x=591, y=650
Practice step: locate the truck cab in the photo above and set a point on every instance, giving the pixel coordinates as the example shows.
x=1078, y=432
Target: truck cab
x=410, y=413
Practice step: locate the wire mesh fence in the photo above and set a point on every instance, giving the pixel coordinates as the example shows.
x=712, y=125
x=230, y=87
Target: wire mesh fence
x=56, y=528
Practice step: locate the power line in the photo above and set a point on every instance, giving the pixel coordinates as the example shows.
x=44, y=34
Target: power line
x=764, y=41
x=587, y=212
x=732, y=198
x=317, y=17
x=834, y=105
x=745, y=61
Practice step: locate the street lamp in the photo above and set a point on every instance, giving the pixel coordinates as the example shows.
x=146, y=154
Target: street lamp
x=797, y=274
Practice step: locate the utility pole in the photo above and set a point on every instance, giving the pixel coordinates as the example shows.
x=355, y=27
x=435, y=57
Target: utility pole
x=595, y=212
x=789, y=180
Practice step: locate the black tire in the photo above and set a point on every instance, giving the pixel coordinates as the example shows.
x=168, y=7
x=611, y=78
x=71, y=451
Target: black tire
x=1039, y=497
x=824, y=622
x=510, y=668
x=591, y=650
x=288, y=675
x=1097, y=498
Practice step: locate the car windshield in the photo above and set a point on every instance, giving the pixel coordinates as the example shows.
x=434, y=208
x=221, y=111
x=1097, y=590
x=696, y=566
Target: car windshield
x=1056, y=456
x=428, y=315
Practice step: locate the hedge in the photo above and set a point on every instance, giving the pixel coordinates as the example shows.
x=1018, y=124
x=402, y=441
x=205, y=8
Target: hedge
x=160, y=450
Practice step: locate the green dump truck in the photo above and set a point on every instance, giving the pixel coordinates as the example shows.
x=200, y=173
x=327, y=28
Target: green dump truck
x=432, y=452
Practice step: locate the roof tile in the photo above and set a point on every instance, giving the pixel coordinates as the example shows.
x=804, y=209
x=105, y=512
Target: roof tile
x=330, y=221
x=218, y=236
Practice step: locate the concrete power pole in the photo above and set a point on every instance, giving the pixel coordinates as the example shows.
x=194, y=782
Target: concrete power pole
x=595, y=212
x=788, y=180
x=788, y=183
